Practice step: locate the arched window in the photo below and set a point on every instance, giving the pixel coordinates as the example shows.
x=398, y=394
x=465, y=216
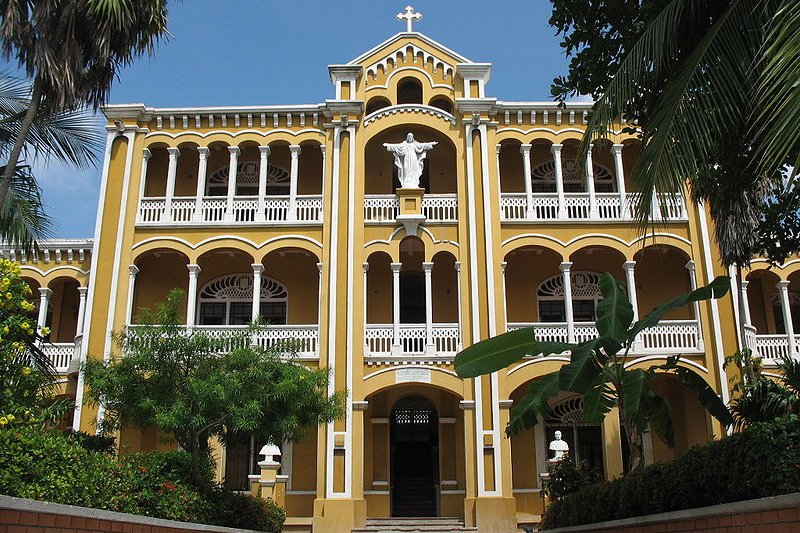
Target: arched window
x=543, y=177
x=777, y=311
x=585, y=440
x=376, y=103
x=409, y=91
x=247, y=180
x=585, y=296
x=442, y=103
x=228, y=300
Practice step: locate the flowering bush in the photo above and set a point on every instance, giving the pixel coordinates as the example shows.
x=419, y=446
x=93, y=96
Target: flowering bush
x=26, y=375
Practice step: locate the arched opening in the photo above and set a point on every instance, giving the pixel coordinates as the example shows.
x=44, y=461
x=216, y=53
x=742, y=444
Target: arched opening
x=585, y=297
x=414, y=455
x=412, y=281
x=160, y=271
x=376, y=103
x=409, y=91
x=585, y=440
x=62, y=313
x=443, y=103
x=228, y=301
x=526, y=269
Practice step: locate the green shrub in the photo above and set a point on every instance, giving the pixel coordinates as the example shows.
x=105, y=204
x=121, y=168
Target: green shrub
x=231, y=509
x=567, y=477
x=762, y=461
x=93, y=443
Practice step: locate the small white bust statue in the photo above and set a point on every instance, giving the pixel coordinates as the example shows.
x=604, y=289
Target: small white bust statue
x=559, y=447
x=408, y=156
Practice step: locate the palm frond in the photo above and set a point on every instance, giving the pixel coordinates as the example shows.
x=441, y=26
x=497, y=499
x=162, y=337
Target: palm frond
x=23, y=222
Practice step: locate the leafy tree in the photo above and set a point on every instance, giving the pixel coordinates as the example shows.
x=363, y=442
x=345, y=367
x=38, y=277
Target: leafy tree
x=68, y=136
x=762, y=399
x=72, y=50
x=27, y=376
x=710, y=86
x=597, y=369
x=195, y=386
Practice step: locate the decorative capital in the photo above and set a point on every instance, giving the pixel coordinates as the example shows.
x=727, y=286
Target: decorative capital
x=457, y=266
x=133, y=270
x=265, y=151
x=616, y=149
x=629, y=266
x=319, y=268
x=258, y=268
x=204, y=152
x=565, y=266
x=396, y=266
x=525, y=149
x=556, y=148
x=234, y=150
x=781, y=285
x=294, y=150
x=690, y=266
x=82, y=291
x=427, y=266
x=174, y=153
x=146, y=154
x=194, y=270
x=745, y=283
x=44, y=292
x=503, y=266
x=365, y=266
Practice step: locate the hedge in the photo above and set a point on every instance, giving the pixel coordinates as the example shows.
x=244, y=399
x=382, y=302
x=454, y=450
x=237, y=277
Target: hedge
x=763, y=460
x=50, y=466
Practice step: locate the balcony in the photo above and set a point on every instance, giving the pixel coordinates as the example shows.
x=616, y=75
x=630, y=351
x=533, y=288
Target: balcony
x=61, y=354
x=436, y=208
x=213, y=210
x=305, y=338
x=379, y=347
x=771, y=348
x=577, y=207
x=670, y=336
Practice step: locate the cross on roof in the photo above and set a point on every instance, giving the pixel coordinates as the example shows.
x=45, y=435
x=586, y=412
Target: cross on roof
x=409, y=16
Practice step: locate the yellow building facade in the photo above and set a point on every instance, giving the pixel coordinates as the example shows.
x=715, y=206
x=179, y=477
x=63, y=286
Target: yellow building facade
x=296, y=213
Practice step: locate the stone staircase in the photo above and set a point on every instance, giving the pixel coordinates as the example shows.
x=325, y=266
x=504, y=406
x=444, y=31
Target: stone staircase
x=414, y=525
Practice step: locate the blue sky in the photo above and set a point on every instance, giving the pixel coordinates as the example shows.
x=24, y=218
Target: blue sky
x=251, y=52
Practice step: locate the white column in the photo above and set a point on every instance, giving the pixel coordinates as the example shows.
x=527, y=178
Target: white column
x=525, y=150
x=630, y=278
x=146, y=154
x=319, y=305
x=457, y=266
x=232, y=168
x=258, y=269
x=132, y=271
x=556, y=151
x=746, y=302
x=783, y=290
x=191, y=297
x=690, y=266
x=503, y=266
x=294, y=152
x=262, y=183
x=567, y=282
x=202, y=168
x=365, y=267
x=81, y=310
x=430, y=348
x=172, y=170
x=619, y=171
x=396, y=347
x=593, y=213
x=44, y=301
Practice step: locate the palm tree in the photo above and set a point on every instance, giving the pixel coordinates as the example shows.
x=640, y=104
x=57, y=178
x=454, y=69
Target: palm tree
x=68, y=136
x=72, y=50
x=722, y=105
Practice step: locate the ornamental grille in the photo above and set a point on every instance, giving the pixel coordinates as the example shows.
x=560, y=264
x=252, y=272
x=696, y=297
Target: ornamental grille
x=239, y=287
x=794, y=299
x=247, y=175
x=568, y=412
x=585, y=285
x=571, y=172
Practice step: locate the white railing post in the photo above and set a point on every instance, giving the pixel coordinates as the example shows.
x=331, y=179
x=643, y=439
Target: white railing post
x=202, y=169
x=690, y=266
x=132, y=271
x=82, y=291
x=263, y=167
x=525, y=150
x=619, y=172
x=146, y=154
x=567, y=282
x=556, y=151
x=593, y=213
x=783, y=290
x=294, y=152
x=630, y=278
x=233, y=165
x=191, y=297
x=746, y=303
x=396, y=347
x=457, y=266
x=172, y=170
x=258, y=269
x=44, y=302
x=430, y=348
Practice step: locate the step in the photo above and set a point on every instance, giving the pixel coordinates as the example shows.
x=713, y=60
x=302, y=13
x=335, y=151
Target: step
x=414, y=524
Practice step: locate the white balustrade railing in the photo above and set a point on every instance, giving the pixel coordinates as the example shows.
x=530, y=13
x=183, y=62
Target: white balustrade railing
x=513, y=207
x=60, y=354
x=300, y=339
x=381, y=208
x=214, y=209
x=440, y=207
x=772, y=348
x=750, y=339
x=669, y=336
x=379, y=339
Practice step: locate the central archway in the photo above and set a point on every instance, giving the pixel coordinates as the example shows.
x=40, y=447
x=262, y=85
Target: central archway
x=414, y=453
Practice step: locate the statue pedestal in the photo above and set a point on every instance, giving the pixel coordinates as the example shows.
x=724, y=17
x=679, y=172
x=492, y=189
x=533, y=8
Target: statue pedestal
x=410, y=208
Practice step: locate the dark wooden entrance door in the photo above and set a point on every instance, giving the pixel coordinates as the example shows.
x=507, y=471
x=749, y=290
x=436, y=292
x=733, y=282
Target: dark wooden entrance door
x=415, y=458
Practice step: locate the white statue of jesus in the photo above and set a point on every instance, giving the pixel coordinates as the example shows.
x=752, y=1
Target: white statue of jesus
x=559, y=447
x=408, y=156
